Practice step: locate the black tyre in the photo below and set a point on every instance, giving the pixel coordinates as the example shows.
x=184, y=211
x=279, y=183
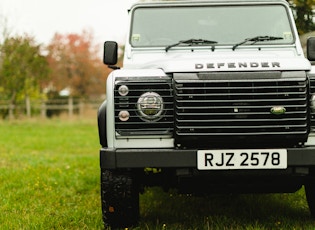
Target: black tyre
x=120, y=199
x=310, y=195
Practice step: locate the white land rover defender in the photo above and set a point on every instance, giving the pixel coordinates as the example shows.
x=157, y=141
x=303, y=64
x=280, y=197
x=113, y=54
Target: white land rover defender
x=215, y=96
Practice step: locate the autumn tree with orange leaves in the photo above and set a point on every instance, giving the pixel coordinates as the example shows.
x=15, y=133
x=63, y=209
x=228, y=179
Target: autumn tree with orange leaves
x=75, y=64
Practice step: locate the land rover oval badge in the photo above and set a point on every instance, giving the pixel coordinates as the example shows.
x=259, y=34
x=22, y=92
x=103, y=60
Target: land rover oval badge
x=278, y=110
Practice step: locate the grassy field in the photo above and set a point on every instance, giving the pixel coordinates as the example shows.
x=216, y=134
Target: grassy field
x=49, y=179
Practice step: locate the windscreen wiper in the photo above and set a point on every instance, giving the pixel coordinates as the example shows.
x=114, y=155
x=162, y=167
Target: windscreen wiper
x=256, y=39
x=191, y=42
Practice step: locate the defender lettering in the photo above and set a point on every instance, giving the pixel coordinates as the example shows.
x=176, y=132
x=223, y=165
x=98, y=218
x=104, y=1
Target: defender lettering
x=237, y=65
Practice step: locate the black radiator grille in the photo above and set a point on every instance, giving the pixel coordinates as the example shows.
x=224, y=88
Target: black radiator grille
x=138, y=86
x=241, y=107
x=312, y=91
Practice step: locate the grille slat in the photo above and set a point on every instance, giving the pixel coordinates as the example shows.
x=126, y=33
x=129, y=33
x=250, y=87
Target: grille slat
x=260, y=101
x=241, y=134
x=241, y=120
x=236, y=106
x=242, y=94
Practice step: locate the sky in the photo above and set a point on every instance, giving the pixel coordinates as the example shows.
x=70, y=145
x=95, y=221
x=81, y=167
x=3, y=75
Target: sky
x=107, y=19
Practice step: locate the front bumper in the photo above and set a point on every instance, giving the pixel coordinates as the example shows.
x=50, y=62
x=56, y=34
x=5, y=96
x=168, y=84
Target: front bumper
x=178, y=158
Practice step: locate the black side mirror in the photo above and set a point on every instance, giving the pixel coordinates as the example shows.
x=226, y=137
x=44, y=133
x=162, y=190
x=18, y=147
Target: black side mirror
x=311, y=48
x=110, y=53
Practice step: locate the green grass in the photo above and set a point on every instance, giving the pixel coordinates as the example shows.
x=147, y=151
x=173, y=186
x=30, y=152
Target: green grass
x=49, y=175
x=251, y=211
x=49, y=179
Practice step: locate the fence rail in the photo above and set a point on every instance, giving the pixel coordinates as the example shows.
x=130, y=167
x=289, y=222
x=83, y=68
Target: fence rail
x=48, y=108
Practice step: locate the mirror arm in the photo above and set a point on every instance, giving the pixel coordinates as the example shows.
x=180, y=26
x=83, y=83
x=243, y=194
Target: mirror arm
x=114, y=67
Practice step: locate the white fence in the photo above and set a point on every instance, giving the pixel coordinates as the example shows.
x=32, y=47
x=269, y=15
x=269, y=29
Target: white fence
x=47, y=108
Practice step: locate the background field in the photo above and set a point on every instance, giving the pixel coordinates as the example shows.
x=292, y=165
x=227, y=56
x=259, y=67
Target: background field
x=49, y=179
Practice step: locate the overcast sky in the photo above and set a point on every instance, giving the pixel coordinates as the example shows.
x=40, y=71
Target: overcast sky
x=43, y=18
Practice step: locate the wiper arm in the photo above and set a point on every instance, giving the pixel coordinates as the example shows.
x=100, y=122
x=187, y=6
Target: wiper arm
x=191, y=42
x=256, y=39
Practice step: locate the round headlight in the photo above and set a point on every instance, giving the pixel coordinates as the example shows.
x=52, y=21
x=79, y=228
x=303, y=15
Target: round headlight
x=150, y=106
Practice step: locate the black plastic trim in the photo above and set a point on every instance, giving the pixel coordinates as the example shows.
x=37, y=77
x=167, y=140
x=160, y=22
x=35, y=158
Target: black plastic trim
x=101, y=120
x=174, y=158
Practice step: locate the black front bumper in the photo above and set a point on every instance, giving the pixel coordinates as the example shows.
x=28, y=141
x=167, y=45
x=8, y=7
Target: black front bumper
x=176, y=158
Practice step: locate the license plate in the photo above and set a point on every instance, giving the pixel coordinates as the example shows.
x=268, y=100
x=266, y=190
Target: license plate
x=242, y=159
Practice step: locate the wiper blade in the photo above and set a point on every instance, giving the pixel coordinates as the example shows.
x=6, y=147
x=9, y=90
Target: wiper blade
x=257, y=39
x=191, y=42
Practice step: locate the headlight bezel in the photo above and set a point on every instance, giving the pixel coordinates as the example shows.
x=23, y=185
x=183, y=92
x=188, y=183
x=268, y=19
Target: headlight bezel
x=150, y=107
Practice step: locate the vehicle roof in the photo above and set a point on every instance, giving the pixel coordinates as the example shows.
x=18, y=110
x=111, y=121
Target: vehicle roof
x=206, y=1
x=220, y=2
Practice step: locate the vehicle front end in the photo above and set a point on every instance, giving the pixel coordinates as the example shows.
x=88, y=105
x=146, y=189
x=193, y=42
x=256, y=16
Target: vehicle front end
x=208, y=101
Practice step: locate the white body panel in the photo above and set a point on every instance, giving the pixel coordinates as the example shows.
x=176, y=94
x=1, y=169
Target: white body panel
x=156, y=61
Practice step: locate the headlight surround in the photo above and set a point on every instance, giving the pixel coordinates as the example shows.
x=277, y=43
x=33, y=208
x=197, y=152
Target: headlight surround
x=143, y=106
x=150, y=107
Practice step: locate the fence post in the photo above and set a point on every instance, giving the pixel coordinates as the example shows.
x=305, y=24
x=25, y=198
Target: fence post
x=43, y=109
x=70, y=106
x=11, y=111
x=81, y=107
x=28, y=106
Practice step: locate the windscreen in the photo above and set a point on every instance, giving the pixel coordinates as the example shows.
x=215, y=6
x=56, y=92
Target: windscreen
x=226, y=25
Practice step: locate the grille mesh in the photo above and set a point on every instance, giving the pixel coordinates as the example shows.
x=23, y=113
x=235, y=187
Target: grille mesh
x=235, y=104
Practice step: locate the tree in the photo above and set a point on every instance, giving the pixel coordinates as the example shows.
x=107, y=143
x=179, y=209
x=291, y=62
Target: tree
x=75, y=64
x=303, y=15
x=22, y=68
